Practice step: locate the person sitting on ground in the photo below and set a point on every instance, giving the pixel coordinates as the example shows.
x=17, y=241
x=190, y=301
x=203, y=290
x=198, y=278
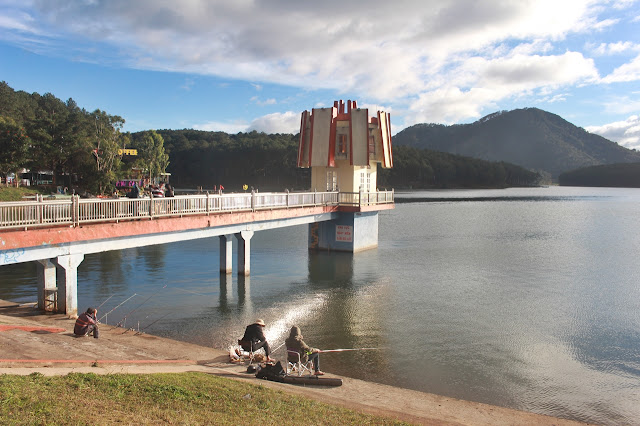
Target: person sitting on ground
x=87, y=323
x=254, y=339
x=295, y=343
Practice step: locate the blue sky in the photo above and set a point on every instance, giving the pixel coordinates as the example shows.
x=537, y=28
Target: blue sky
x=256, y=65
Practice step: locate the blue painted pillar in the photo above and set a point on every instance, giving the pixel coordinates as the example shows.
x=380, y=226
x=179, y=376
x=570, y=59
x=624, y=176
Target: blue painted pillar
x=244, y=252
x=226, y=253
x=351, y=232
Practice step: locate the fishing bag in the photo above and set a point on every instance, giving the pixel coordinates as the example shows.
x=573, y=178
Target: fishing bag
x=273, y=372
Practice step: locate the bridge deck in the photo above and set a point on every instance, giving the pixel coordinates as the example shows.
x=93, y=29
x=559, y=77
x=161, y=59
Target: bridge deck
x=57, y=223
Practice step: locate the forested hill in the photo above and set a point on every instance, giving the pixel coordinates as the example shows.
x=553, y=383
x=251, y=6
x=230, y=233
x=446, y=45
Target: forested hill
x=268, y=162
x=530, y=137
x=625, y=175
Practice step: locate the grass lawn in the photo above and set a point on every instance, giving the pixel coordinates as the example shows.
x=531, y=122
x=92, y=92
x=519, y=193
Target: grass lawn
x=11, y=193
x=177, y=398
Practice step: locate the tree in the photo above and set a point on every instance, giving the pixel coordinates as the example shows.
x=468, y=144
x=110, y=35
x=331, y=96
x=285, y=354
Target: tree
x=47, y=131
x=151, y=155
x=107, y=140
x=14, y=144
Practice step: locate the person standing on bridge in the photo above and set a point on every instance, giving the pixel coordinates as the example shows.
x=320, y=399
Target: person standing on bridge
x=254, y=339
x=87, y=323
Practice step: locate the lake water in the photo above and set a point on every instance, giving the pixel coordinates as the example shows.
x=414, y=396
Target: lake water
x=523, y=298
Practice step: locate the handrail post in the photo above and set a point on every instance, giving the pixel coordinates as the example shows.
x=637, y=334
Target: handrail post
x=287, y=191
x=360, y=198
x=253, y=194
x=40, y=209
x=207, y=207
x=150, y=205
x=75, y=210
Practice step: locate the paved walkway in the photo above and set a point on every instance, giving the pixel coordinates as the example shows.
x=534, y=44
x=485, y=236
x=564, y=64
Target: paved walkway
x=31, y=341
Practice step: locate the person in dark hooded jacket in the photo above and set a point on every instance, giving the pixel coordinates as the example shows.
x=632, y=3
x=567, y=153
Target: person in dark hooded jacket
x=295, y=343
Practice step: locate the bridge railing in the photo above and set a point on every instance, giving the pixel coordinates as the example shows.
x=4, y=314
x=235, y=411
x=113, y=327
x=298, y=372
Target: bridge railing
x=365, y=198
x=75, y=211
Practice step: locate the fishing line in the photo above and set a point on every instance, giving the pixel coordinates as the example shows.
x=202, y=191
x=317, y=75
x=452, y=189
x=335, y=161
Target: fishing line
x=149, y=325
x=138, y=307
x=189, y=291
x=105, y=301
x=134, y=294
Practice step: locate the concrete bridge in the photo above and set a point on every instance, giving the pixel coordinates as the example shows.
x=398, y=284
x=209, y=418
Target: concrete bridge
x=58, y=233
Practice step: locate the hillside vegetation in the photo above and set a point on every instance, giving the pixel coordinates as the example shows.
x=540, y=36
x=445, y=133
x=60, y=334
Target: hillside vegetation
x=531, y=138
x=268, y=162
x=83, y=150
x=625, y=175
x=42, y=133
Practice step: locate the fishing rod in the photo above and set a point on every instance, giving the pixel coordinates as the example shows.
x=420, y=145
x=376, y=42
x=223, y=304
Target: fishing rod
x=138, y=307
x=345, y=350
x=134, y=294
x=105, y=301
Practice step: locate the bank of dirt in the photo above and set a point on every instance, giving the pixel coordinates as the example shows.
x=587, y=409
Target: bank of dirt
x=34, y=342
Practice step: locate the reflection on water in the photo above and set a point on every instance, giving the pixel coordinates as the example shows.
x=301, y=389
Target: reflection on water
x=530, y=303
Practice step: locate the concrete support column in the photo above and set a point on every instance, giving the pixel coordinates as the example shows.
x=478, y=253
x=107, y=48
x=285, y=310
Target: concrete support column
x=244, y=252
x=226, y=253
x=46, y=285
x=68, y=291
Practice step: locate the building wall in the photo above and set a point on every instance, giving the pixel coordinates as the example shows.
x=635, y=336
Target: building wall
x=348, y=177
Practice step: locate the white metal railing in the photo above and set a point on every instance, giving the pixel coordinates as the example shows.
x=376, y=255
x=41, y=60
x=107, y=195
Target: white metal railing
x=75, y=211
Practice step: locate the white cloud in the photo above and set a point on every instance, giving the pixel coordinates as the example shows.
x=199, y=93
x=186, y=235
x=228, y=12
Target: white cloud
x=387, y=50
x=260, y=102
x=287, y=122
x=623, y=104
x=439, y=60
x=480, y=84
x=614, y=48
x=626, y=133
x=188, y=84
x=227, y=127
x=626, y=72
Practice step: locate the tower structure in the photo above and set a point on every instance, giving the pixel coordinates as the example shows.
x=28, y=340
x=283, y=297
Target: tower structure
x=343, y=147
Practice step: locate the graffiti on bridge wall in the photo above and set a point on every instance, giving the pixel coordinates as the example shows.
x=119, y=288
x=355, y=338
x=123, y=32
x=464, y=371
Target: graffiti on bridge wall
x=11, y=256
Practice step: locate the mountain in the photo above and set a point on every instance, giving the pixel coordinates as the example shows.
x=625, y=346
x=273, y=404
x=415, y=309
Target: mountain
x=530, y=137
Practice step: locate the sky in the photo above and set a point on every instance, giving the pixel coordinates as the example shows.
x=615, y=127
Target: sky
x=243, y=65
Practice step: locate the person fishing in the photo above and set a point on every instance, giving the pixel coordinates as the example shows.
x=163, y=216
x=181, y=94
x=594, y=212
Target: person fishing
x=295, y=343
x=254, y=339
x=87, y=323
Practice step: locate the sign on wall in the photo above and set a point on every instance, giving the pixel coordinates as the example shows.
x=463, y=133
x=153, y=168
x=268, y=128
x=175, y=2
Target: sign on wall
x=344, y=233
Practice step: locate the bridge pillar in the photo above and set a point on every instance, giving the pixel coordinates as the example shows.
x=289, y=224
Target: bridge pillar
x=226, y=253
x=46, y=285
x=68, y=292
x=351, y=232
x=244, y=252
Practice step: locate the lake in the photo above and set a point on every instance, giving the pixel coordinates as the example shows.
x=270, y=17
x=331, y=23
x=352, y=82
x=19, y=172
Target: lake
x=523, y=298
